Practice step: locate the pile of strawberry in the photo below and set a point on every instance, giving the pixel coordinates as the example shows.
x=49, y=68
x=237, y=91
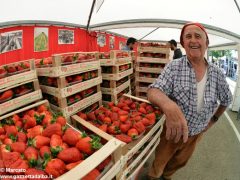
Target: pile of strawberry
x=17, y=68
x=44, y=62
x=17, y=91
x=40, y=142
x=126, y=120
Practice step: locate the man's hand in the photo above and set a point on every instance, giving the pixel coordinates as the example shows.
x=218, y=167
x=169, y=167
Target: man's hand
x=176, y=123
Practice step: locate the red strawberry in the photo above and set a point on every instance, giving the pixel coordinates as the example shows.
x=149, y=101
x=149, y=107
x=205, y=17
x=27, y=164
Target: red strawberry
x=11, y=130
x=44, y=150
x=21, y=137
x=9, y=158
x=123, y=118
x=52, y=129
x=91, y=116
x=48, y=118
x=103, y=164
x=55, y=144
x=151, y=117
x=31, y=154
x=61, y=120
x=71, y=137
x=33, y=132
x=41, y=108
x=113, y=129
x=123, y=137
x=39, y=141
x=55, y=167
x=2, y=130
x=88, y=145
x=19, y=164
x=125, y=127
x=36, y=173
x=103, y=127
x=29, y=121
x=19, y=124
x=72, y=165
x=145, y=122
x=133, y=133
x=94, y=174
x=15, y=118
x=70, y=155
x=7, y=141
x=107, y=120
x=139, y=127
x=18, y=147
x=142, y=110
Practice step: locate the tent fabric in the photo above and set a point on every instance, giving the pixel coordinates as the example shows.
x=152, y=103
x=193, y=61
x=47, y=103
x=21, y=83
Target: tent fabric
x=222, y=14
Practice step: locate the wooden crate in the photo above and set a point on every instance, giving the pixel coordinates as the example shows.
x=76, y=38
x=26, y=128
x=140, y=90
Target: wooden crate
x=153, y=60
x=115, y=96
x=23, y=100
x=58, y=69
x=20, y=76
x=113, y=83
x=117, y=89
x=112, y=57
x=141, y=94
x=150, y=70
x=117, y=76
x=78, y=106
x=63, y=90
x=111, y=148
x=164, y=50
x=135, y=152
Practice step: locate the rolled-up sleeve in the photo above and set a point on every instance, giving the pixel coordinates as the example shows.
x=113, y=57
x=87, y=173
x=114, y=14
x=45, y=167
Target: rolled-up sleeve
x=164, y=82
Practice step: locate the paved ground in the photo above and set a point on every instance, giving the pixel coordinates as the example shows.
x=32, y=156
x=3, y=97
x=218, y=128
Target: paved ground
x=217, y=156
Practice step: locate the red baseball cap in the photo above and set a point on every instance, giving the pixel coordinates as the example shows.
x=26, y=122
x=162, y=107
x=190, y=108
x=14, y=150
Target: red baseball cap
x=196, y=24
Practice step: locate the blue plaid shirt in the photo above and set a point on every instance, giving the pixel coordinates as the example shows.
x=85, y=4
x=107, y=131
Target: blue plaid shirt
x=179, y=83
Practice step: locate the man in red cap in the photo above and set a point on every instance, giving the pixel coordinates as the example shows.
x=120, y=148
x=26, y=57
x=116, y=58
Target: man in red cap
x=187, y=91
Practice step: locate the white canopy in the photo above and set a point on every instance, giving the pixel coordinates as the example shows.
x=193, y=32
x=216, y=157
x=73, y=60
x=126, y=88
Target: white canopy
x=134, y=18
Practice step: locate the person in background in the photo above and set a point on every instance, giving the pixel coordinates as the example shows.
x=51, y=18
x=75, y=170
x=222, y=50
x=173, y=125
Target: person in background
x=177, y=52
x=187, y=92
x=130, y=44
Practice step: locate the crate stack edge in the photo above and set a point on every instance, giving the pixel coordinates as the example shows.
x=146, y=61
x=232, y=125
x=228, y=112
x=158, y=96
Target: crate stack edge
x=71, y=81
x=151, y=60
x=18, y=82
x=117, y=68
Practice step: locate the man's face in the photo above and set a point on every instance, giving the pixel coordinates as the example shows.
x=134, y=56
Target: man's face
x=131, y=46
x=195, y=42
x=171, y=46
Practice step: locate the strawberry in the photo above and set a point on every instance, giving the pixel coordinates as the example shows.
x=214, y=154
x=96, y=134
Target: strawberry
x=122, y=112
x=19, y=164
x=48, y=119
x=123, y=118
x=142, y=110
x=33, y=132
x=107, y=120
x=2, y=130
x=10, y=69
x=41, y=108
x=52, y=129
x=88, y=145
x=32, y=172
x=82, y=115
x=94, y=174
x=55, y=144
x=114, y=116
x=139, y=127
x=29, y=121
x=103, y=164
x=145, y=122
x=103, y=127
x=44, y=152
x=123, y=137
x=72, y=165
x=55, y=167
x=133, y=133
x=11, y=130
x=15, y=118
x=151, y=117
x=125, y=127
x=71, y=137
x=7, y=141
x=91, y=116
x=115, y=109
x=149, y=109
x=31, y=154
x=110, y=104
x=39, y=141
x=21, y=137
x=9, y=158
x=18, y=147
x=4, y=149
x=19, y=125
x=113, y=129
x=61, y=120
x=70, y=155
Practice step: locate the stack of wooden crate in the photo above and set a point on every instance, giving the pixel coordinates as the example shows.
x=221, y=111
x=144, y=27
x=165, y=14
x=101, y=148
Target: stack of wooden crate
x=151, y=59
x=71, y=81
x=19, y=85
x=116, y=68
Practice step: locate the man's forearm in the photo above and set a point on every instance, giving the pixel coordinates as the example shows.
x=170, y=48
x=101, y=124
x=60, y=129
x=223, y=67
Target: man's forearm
x=158, y=98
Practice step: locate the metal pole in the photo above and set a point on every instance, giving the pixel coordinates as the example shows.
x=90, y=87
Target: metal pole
x=90, y=15
x=149, y=33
